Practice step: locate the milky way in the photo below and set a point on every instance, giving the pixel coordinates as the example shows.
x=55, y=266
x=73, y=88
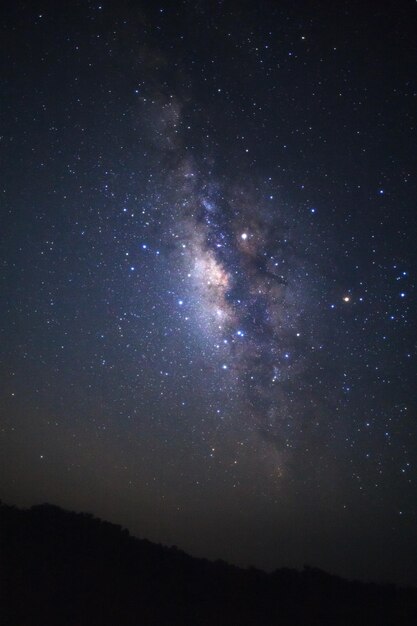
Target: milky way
x=242, y=286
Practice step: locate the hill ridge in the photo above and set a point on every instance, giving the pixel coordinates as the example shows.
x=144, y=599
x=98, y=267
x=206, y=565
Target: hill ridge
x=72, y=568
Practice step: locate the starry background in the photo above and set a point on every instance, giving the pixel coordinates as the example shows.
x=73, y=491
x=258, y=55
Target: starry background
x=208, y=321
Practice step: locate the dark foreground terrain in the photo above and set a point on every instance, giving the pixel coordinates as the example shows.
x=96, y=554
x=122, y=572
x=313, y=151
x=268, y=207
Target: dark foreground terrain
x=61, y=568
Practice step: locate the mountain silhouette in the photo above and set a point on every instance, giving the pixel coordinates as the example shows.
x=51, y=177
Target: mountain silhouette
x=59, y=568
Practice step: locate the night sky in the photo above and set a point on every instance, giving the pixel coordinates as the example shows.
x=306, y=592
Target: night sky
x=208, y=275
